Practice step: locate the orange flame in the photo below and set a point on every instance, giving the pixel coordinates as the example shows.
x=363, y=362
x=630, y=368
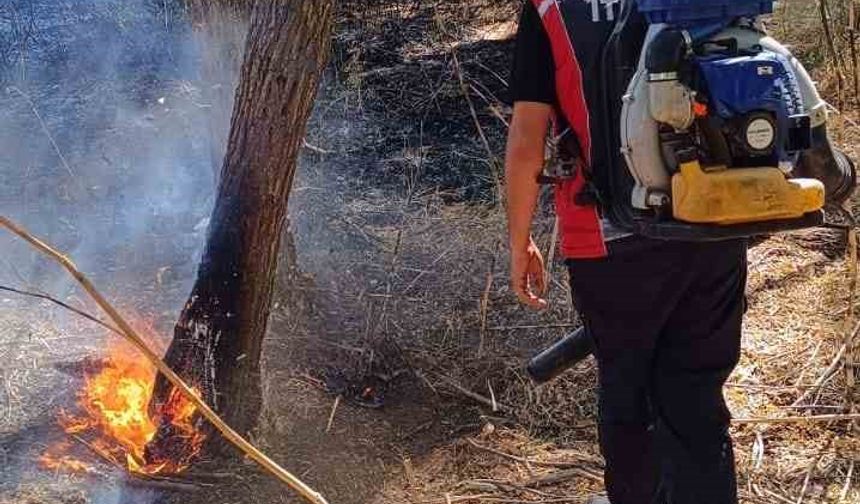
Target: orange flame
x=115, y=422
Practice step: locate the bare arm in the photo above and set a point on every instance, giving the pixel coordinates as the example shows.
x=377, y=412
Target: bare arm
x=523, y=163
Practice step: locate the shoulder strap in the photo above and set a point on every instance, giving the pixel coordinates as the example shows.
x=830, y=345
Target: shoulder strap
x=569, y=77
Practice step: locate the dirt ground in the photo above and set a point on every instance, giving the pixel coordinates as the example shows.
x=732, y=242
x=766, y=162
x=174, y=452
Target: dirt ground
x=394, y=334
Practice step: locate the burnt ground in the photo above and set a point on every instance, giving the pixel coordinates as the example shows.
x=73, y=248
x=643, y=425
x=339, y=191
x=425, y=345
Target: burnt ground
x=392, y=292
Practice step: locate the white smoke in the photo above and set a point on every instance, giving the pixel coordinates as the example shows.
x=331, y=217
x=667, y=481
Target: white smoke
x=105, y=152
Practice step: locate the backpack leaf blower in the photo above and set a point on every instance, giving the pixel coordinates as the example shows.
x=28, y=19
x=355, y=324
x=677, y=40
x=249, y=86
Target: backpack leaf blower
x=716, y=132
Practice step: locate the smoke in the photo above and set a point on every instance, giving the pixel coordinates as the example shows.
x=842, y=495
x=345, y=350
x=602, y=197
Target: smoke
x=105, y=145
x=107, y=150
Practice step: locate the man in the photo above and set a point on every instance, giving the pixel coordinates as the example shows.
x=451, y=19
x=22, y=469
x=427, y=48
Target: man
x=666, y=316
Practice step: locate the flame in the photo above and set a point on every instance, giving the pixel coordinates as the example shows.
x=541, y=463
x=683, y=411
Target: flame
x=114, y=421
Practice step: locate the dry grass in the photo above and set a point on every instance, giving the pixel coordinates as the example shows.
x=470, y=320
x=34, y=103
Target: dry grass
x=398, y=234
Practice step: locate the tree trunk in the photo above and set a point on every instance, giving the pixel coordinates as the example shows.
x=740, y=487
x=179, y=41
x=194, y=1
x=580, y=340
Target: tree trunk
x=218, y=339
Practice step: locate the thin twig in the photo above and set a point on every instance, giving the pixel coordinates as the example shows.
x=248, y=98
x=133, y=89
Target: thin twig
x=143, y=347
x=797, y=419
x=45, y=129
x=99, y=453
x=494, y=162
x=72, y=309
x=176, y=486
x=486, y=401
x=525, y=460
x=825, y=376
x=523, y=327
x=331, y=416
x=811, y=471
x=484, y=306
x=847, y=487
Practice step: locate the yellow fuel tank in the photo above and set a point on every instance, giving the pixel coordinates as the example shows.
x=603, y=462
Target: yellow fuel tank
x=741, y=195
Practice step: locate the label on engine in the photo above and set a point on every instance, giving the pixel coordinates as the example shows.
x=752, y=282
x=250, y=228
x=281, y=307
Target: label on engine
x=760, y=134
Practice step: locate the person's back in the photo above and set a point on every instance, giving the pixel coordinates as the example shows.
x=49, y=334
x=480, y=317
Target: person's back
x=666, y=316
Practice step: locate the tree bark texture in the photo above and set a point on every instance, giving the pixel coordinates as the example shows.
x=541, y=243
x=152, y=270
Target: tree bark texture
x=218, y=339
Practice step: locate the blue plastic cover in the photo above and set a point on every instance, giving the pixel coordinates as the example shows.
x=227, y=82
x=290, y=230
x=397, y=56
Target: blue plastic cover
x=743, y=84
x=686, y=12
x=765, y=82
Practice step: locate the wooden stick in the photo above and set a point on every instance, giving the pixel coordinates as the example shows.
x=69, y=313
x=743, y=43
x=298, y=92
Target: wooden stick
x=170, y=485
x=486, y=401
x=847, y=486
x=561, y=465
x=331, y=416
x=140, y=344
x=524, y=327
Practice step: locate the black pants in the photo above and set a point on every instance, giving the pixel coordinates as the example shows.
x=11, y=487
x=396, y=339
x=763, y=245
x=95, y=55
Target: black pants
x=666, y=317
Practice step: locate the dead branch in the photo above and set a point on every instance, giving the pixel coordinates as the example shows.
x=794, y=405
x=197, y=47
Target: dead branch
x=555, y=478
x=140, y=344
x=524, y=460
x=45, y=130
x=484, y=305
x=170, y=485
x=57, y=302
x=811, y=471
x=331, y=416
x=138, y=479
x=825, y=376
x=486, y=401
x=524, y=327
x=847, y=486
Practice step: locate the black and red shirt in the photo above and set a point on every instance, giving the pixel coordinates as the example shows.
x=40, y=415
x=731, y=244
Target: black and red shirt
x=558, y=57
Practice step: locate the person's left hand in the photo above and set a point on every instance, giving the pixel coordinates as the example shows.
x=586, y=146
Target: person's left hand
x=528, y=276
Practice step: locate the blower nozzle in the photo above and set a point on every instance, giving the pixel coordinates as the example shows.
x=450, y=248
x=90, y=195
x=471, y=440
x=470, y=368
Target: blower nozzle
x=564, y=354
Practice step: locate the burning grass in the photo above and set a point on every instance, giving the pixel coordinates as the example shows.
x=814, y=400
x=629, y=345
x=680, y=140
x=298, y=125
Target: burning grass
x=113, y=420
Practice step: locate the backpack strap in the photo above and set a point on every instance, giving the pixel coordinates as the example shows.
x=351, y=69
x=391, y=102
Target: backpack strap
x=568, y=75
x=580, y=223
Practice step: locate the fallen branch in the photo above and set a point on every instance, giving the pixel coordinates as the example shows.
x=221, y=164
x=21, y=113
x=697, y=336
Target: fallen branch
x=524, y=327
x=140, y=344
x=562, y=465
x=486, y=401
x=138, y=479
x=39, y=295
x=826, y=375
x=331, y=416
x=555, y=478
x=847, y=486
x=45, y=130
x=169, y=485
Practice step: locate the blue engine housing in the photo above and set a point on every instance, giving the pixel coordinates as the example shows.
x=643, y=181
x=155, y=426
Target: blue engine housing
x=742, y=84
x=760, y=85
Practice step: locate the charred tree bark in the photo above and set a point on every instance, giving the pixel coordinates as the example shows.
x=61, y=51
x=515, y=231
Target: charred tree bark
x=218, y=340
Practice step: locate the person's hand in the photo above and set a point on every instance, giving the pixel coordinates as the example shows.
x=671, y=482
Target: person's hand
x=528, y=278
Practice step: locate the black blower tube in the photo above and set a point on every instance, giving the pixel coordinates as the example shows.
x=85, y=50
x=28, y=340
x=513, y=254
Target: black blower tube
x=561, y=356
x=832, y=167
